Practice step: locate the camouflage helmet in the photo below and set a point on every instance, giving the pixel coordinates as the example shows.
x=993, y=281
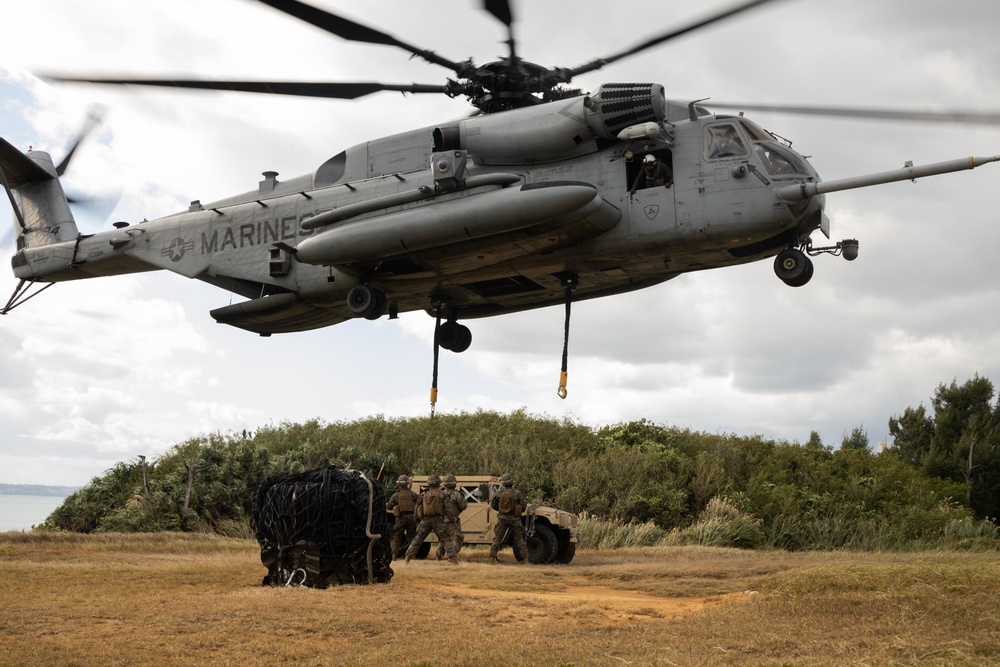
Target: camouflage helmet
x=403, y=481
x=449, y=481
x=506, y=479
x=434, y=480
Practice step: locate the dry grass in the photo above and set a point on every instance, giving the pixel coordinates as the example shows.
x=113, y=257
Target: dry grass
x=172, y=599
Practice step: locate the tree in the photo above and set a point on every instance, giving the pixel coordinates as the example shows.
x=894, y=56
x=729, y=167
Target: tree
x=960, y=443
x=815, y=441
x=912, y=434
x=963, y=416
x=857, y=440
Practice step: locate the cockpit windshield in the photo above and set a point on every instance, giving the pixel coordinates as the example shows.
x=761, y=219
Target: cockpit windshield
x=756, y=132
x=777, y=161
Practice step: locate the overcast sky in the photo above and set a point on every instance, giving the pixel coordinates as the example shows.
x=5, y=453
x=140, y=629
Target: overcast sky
x=103, y=370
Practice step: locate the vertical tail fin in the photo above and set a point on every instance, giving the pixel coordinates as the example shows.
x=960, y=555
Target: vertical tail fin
x=41, y=211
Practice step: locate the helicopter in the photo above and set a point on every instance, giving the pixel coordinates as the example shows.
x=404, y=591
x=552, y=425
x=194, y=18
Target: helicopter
x=537, y=200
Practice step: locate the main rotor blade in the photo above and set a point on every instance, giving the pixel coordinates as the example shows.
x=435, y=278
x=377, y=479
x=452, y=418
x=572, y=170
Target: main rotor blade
x=347, y=91
x=501, y=10
x=947, y=116
x=356, y=32
x=601, y=62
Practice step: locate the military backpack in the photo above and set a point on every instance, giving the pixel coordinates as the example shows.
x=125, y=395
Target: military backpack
x=432, y=505
x=405, y=501
x=507, y=502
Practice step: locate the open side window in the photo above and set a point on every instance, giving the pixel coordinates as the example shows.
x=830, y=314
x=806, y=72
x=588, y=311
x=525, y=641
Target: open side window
x=639, y=175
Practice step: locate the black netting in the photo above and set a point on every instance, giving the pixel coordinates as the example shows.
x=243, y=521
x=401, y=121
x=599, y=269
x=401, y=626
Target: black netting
x=322, y=528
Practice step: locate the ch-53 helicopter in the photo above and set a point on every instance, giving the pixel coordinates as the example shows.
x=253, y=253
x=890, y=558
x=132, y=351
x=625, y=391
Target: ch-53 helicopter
x=546, y=196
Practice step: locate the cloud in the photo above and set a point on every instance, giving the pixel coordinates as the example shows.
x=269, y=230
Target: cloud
x=102, y=370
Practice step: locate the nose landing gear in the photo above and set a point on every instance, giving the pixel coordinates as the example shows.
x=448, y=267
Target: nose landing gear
x=795, y=269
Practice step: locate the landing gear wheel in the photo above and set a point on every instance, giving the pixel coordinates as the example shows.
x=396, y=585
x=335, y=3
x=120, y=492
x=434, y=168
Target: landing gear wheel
x=454, y=337
x=790, y=264
x=367, y=302
x=378, y=308
x=542, y=546
x=804, y=278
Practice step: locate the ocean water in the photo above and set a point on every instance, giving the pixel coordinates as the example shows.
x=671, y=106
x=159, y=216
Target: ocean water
x=22, y=512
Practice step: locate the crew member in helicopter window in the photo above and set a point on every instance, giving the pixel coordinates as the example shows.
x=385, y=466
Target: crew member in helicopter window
x=724, y=142
x=653, y=173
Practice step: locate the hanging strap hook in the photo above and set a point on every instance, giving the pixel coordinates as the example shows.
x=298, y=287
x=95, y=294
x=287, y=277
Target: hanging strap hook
x=437, y=354
x=569, y=282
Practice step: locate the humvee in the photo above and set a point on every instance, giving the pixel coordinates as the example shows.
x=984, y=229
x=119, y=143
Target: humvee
x=551, y=533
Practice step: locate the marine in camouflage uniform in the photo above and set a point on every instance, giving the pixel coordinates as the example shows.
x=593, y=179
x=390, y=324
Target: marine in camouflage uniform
x=509, y=503
x=430, y=511
x=454, y=504
x=403, y=505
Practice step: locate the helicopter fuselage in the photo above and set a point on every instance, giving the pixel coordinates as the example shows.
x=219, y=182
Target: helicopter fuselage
x=601, y=194
x=534, y=195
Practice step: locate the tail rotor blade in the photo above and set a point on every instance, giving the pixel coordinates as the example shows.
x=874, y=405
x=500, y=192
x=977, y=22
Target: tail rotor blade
x=93, y=120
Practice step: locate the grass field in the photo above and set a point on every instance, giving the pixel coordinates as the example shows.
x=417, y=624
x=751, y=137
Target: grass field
x=183, y=599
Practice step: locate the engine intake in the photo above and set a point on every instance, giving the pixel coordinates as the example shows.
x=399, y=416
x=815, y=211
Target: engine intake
x=556, y=130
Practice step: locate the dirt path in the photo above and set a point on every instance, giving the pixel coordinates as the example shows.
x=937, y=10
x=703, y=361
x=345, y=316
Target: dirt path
x=612, y=602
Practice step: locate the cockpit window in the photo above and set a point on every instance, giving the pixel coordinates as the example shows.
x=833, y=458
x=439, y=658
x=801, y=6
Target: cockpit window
x=756, y=132
x=724, y=142
x=775, y=161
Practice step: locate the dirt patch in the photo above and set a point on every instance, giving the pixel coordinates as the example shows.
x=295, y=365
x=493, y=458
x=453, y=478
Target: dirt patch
x=596, y=600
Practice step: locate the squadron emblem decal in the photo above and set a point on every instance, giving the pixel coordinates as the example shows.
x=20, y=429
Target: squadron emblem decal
x=651, y=211
x=175, y=251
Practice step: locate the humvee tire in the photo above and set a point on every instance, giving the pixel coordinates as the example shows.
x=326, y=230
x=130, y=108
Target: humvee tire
x=542, y=545
x=567, y=550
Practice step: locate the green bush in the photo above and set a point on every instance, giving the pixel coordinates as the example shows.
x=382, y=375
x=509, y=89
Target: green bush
x=721, y=524
x=639, y=482
x=599, y=534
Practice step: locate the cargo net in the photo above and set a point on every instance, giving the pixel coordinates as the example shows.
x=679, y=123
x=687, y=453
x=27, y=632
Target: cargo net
x=322, y=528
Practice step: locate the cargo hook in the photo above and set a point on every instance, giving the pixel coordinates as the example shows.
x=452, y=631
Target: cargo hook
x=437, y=353
x=569, y=281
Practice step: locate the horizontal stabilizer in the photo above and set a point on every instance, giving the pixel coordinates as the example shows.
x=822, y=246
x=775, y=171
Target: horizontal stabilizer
x=18, y=168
